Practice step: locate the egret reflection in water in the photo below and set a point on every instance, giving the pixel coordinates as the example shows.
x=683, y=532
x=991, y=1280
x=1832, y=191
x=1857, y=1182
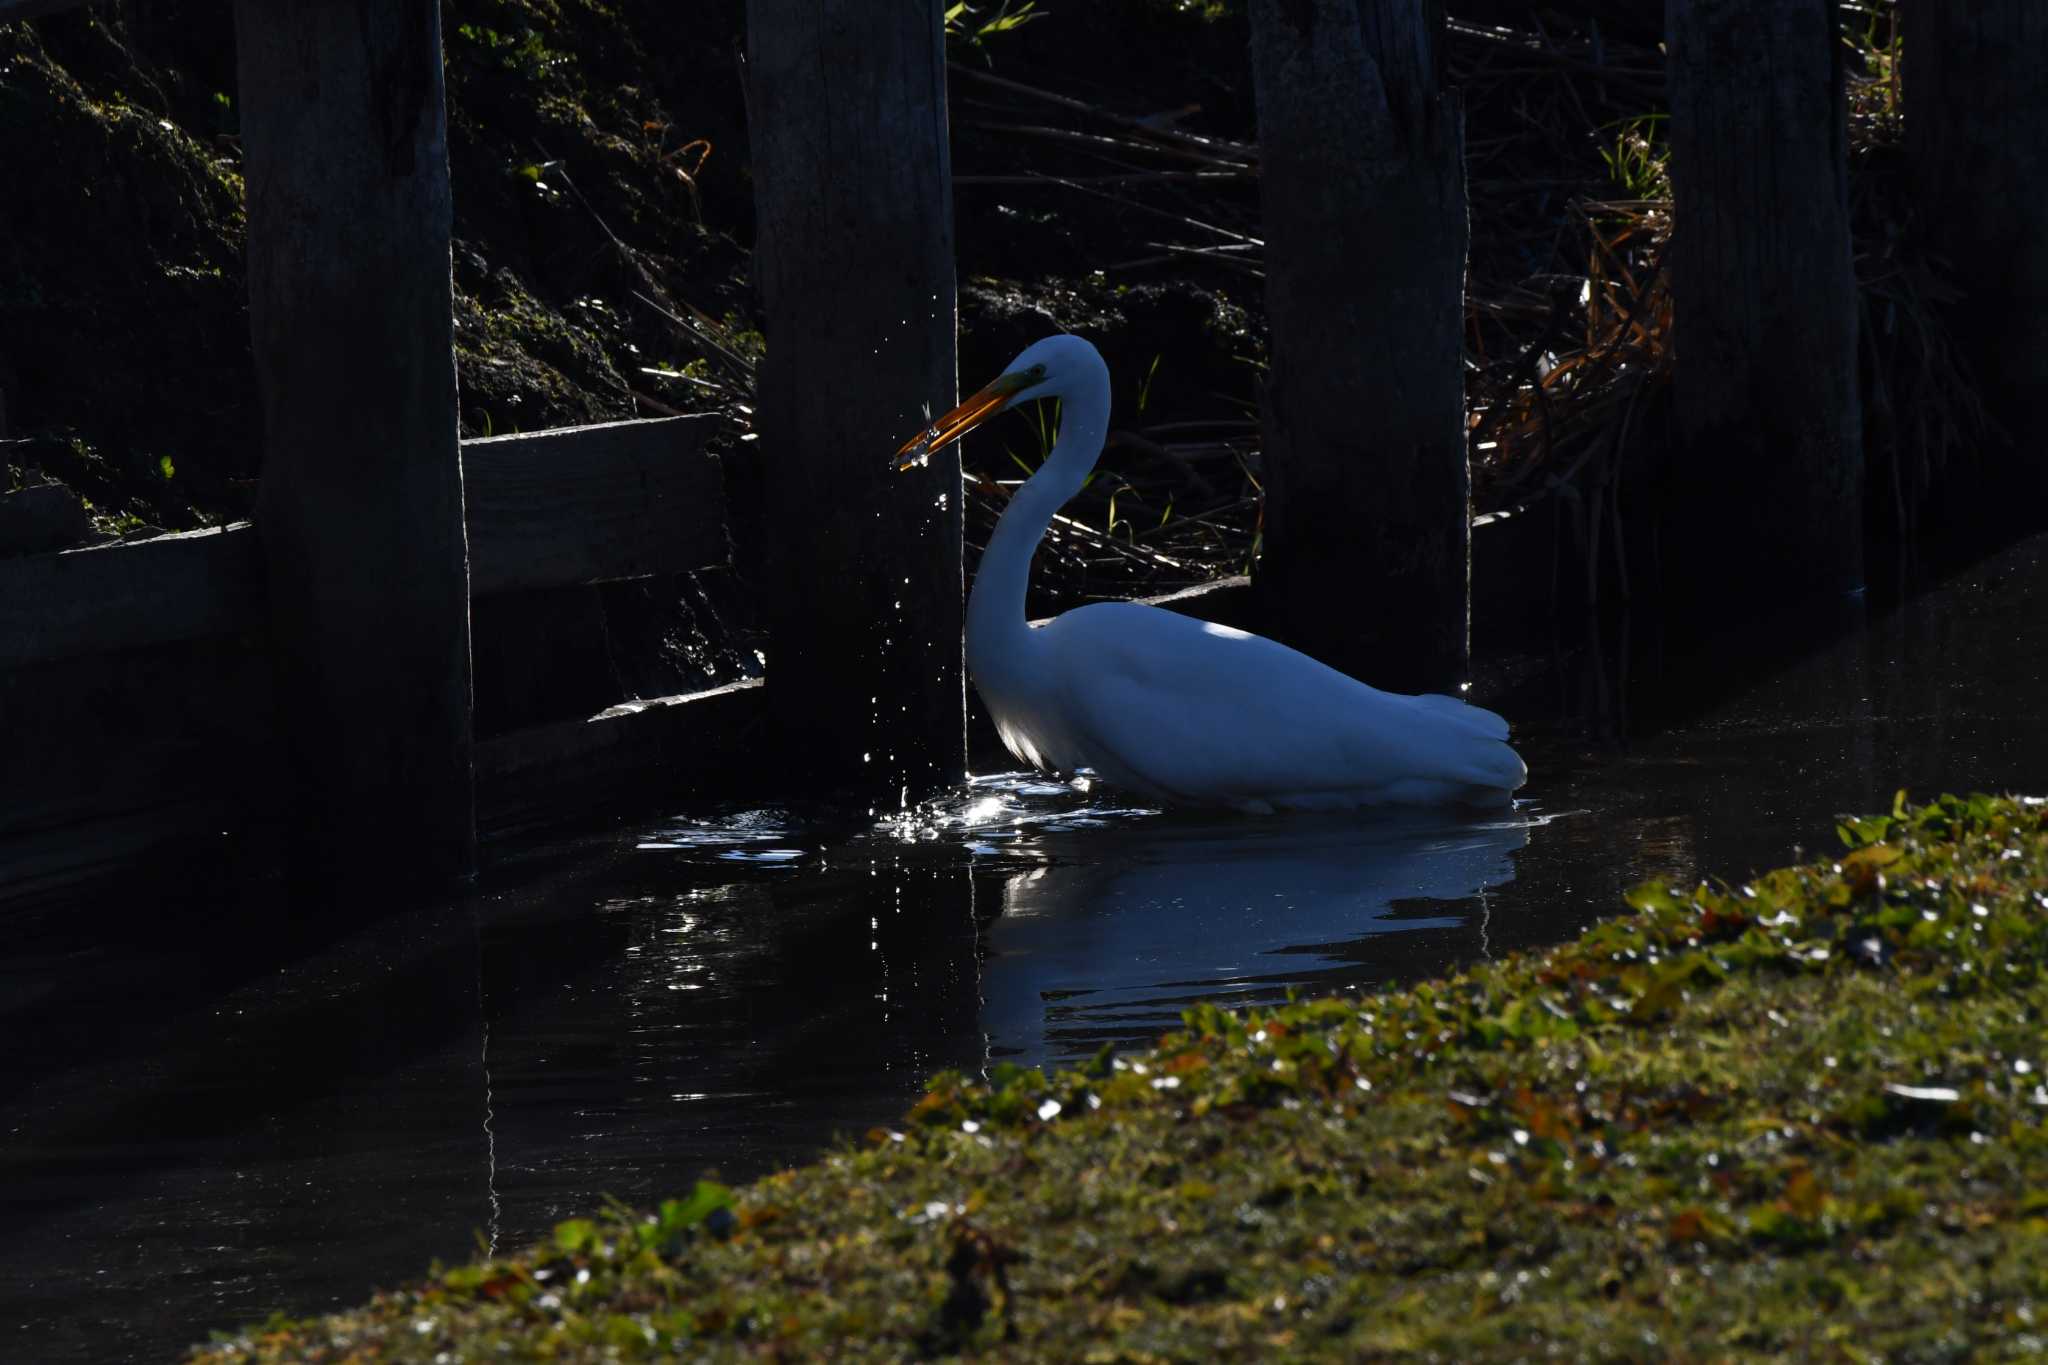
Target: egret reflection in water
x=1124, y=927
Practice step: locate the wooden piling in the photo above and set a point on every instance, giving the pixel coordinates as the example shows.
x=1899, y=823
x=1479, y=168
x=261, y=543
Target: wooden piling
x=344, y=134
x=1977, y=148
x=1366, y=556
x=1762, y=499
x=854, y=262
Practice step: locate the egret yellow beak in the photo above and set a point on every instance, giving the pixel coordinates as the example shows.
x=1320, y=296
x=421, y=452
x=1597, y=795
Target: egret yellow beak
x=977, y=409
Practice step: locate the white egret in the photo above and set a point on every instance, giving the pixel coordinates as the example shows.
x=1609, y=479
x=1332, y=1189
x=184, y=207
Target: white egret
x=1180, y=710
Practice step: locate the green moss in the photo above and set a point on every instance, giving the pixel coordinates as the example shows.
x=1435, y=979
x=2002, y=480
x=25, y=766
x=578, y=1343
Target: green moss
x=120, y=282
x=1798, y=1119
x=121, y=252
x=526, y=365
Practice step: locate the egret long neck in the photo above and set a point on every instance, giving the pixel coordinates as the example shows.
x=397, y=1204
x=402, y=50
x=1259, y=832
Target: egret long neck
x=995, y=608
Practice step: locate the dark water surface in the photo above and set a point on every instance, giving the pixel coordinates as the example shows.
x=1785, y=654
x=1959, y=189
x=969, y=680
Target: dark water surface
x=204, y=1120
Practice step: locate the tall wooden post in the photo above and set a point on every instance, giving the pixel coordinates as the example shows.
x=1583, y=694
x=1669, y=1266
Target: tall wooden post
x=854, y=261
x=345, y=138
x=1764, y=493
x=1977, y=146
x=1366, y=562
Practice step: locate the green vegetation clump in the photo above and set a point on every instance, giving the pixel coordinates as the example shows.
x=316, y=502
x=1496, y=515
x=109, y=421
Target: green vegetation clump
x=584, y=178
x=1799, y=1119
x=120, y=244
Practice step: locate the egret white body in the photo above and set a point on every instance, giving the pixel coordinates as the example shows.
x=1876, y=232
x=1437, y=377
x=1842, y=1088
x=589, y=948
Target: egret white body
x=1177, y=709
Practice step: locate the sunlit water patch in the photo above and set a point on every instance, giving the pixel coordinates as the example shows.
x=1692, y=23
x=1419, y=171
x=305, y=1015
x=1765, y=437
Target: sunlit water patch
x=740, y=831
x=997, y=808
x=984, y=816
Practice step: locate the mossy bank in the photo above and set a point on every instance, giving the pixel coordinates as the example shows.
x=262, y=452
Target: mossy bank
x=1797, y=1119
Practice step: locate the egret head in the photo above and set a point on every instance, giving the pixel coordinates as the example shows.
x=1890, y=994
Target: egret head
x=1044, y=369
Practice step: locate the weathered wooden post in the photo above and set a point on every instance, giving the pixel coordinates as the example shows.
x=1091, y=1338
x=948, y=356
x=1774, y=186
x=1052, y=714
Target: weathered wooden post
x=1977, y=146
x=1366, y=562
x=1763, y=496
x=854, y=261
x=345, y=138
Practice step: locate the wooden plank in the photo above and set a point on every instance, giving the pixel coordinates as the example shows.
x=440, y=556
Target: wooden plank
x=29, y=9
x=553, y=772
x=1226, y=601
x=588, y=504
x=115, y=764
x=169, y=837
x=158, y=762
x=550, y=509
x=186, y=586
x=854, y=260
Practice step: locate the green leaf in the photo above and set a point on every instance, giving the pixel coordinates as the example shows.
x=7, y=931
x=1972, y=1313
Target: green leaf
x=1145, y=389
x=1651, y=897
x=680, y=1215
x=1656, y=991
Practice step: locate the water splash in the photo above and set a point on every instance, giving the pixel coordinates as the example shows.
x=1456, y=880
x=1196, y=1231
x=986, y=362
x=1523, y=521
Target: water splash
x=997, y=807
x=920, y=452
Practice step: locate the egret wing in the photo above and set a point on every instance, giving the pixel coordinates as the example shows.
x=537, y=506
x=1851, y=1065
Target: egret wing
x=1193, y=711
